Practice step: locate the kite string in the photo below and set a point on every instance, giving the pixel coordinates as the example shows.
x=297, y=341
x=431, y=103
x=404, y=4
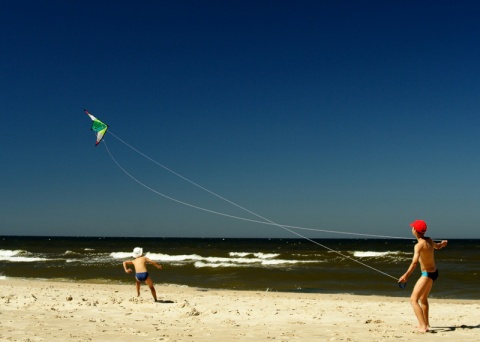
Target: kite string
x=218, y=213
x=227, y=200
x=228, y=215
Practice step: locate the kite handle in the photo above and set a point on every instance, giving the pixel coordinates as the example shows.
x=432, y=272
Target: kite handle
x=402, y=285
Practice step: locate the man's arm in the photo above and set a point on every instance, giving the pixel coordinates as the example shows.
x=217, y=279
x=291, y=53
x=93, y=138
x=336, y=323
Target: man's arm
x=440, y=245
x=413, y=265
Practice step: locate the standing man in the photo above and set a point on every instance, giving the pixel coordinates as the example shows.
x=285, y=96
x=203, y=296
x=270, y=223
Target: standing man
x=423, y=254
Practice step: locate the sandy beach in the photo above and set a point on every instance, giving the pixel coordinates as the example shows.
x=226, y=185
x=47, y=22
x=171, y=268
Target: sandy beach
x=36, y=310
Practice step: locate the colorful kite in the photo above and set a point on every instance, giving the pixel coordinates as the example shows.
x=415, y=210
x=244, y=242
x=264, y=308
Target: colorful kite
x=98, y=127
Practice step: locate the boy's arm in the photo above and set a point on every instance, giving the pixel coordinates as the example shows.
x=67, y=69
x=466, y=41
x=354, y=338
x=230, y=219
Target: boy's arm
x=413, y=265
x=125, y=263
x=153, y=263
x=440, y=245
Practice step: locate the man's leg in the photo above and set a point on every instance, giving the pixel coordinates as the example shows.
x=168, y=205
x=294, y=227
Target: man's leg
x=420, y=292
x=424, y=302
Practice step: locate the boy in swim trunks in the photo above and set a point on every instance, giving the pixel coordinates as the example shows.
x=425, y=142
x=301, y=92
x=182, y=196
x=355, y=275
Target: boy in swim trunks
x=141, y=274
x=423, y=253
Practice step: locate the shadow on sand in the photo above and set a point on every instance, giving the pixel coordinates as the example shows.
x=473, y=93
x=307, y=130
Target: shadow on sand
x=165, y=301
x=447, y=329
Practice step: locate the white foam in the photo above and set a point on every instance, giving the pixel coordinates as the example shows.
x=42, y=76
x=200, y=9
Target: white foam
x=18, y=256
x=121, y=255
x=360, y=254
x=285, y=262
x=239, y=254
x=266, y=255
x=9, y=253
x=73, y=260
x=246, y=262
x=235, y=259
x=200, y=264
x=167, y=257
x=257, y=255
x=22, y=259
x=71, y=253
x=159, y=256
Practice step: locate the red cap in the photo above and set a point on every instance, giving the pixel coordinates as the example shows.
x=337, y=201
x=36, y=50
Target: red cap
x=420, y=226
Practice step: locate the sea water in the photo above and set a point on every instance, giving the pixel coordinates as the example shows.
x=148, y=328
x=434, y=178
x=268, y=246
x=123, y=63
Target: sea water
x=355, y=266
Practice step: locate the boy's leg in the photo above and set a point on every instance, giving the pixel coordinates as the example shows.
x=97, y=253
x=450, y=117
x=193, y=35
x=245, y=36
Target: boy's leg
x=420, y=293
x=138, y=287
x=149, y=282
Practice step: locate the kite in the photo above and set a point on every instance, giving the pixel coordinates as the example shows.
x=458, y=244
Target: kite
x=98, y=127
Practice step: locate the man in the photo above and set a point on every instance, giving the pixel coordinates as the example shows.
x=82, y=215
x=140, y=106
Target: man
x=141, y=274
x=423, y=253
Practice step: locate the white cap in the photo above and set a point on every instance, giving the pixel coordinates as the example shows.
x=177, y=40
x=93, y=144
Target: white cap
x=137, y=252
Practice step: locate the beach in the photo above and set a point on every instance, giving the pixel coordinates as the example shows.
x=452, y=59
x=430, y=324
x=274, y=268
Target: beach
x=46, y=310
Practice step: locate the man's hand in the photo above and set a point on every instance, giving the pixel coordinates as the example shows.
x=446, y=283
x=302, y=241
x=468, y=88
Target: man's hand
x=403, y=279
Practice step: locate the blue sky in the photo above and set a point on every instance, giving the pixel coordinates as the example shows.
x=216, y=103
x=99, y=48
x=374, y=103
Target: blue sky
x=334, y=115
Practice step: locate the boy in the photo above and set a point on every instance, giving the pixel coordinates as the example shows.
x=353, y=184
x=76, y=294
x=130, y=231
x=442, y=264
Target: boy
x=141, y=274
x=423, y=253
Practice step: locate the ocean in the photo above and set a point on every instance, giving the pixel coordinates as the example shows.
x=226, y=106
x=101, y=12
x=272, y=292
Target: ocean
x=371, y=266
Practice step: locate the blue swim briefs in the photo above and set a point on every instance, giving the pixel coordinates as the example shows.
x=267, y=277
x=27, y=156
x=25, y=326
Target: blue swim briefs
x=431, y=275
x=141, y=276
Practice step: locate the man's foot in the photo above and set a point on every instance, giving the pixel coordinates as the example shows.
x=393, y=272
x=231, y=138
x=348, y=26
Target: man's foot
x=423, y=329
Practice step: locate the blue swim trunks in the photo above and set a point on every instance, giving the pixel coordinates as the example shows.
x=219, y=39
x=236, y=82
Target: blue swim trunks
x=141, y=276
x=431, y=275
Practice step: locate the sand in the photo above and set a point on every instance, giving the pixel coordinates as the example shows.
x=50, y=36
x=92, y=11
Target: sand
x=36, y=310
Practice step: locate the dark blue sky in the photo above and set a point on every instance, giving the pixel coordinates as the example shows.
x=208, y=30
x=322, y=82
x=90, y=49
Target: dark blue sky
x=335, y=115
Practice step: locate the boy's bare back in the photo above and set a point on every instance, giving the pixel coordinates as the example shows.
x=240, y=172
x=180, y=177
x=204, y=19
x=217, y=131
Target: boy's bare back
x=140, y=264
